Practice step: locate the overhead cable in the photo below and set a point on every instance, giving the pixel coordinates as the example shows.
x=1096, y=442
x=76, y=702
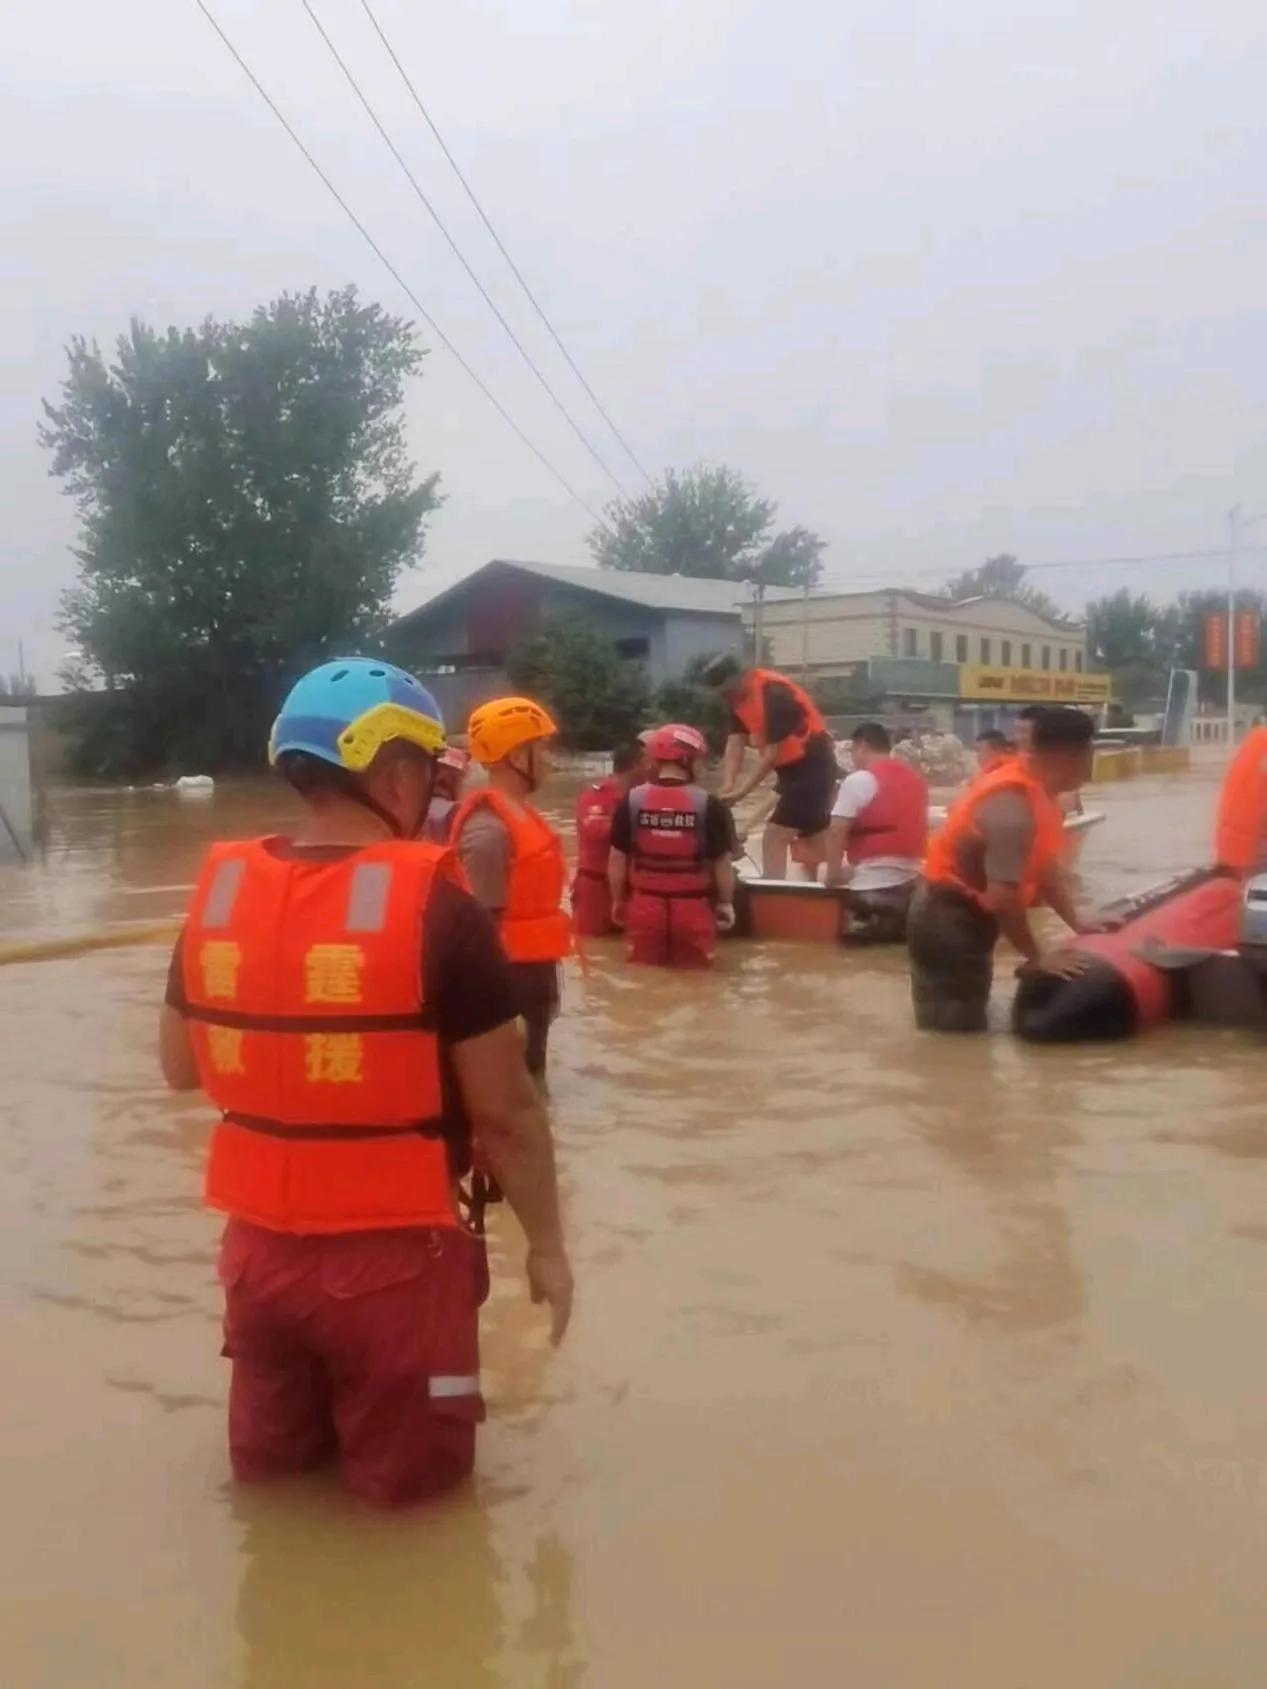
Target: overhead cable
x=457, y=252
x=391, y=269
x=497, y=240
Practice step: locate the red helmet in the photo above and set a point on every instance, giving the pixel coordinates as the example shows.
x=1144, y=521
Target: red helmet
x=677, y=743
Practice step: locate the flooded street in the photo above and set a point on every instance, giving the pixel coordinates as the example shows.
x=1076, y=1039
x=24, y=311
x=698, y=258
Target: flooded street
x=897, y=1360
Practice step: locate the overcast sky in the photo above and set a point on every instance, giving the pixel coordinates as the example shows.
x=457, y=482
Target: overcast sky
x=943, y=280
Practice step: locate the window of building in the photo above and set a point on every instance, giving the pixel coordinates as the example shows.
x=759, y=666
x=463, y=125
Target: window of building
x=985, y=650
x=935, y=646
x=1027, y=657
x=1005, y=653
x=961, y=648
x=1077, y=661
x=1046, y=656
x=635, y=647
x=910, y=642
x=1064, y=659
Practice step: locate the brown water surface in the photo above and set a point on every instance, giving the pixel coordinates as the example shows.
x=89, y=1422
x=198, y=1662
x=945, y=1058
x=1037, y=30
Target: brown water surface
x=897, y=1361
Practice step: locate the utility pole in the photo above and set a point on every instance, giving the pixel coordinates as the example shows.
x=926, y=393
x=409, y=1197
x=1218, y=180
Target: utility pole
x=1233, y=549
x=1238, y=525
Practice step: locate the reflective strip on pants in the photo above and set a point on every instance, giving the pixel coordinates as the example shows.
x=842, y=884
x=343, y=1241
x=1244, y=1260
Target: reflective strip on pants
x=444, y=1386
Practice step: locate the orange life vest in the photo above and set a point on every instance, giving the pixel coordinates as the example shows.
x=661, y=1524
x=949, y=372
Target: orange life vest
x=750, y=709
x=1241, y=834
x=303, y=990
x=941, y=865
x=534, y=927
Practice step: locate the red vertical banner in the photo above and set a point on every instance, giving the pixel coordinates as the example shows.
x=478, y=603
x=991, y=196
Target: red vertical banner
x=1248, y=638
x=1216, y=642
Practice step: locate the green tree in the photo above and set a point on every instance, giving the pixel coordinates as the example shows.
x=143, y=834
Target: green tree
x=1002, y=577
x=246, y=504
x=707, y=522
x=1125, y=637
x=598, y=697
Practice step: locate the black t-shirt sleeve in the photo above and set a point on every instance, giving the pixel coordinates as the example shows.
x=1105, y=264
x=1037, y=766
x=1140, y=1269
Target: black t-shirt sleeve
x=175, y=995
x=466, y=977
x=622, y=828
x=719, y=829
x=783, y=715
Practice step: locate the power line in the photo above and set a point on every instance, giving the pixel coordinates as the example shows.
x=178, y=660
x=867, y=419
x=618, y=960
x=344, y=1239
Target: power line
x=457, y=252
x=1129, y=562
x=500, y=244
x=391, y=269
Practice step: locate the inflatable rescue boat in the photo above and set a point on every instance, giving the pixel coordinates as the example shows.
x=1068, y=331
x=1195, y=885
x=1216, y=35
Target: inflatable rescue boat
x=1141, y=972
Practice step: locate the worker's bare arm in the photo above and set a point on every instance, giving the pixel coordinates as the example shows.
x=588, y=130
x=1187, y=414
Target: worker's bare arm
x=764, y=764
x=176, y=1051
x=510, y=1124
x=732, y=760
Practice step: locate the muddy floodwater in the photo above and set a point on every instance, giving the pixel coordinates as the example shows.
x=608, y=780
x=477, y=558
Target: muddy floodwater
x=897, y=1360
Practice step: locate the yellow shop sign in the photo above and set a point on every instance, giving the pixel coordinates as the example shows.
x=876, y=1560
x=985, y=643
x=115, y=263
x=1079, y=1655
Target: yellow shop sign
x=981, y=681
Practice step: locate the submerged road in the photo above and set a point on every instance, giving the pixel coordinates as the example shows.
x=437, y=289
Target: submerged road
x=897, y=1361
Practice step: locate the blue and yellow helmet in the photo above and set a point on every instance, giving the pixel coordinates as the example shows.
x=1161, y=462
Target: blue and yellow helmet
x=345, y=712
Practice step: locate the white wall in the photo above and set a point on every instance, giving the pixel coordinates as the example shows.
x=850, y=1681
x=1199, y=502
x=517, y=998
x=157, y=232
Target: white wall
x=15, y=777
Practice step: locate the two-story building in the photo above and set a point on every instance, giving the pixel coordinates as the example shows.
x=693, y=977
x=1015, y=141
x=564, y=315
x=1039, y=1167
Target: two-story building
x=962, y=664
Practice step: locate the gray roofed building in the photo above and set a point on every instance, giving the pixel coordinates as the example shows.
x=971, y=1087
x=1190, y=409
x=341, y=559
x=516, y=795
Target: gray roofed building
x=459, y=638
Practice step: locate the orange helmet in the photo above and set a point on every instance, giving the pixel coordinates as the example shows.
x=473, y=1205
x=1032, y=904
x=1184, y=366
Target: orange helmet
x=498, y=728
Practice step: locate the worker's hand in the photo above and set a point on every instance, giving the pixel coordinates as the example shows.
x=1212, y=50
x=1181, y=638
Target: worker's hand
x=724, y=914
x=731, y=797
x=550, y=1280
x=1059, y=964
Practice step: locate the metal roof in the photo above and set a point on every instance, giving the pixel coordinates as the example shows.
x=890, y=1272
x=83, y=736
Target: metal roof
x=687, y=594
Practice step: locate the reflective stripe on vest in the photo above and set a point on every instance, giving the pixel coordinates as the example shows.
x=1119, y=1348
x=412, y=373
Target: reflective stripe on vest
x=1241, y=832
x=303, y=986
x=750, y=708
x=533, y=925
x=667, y=855
x=941, y=865
x=895, y=822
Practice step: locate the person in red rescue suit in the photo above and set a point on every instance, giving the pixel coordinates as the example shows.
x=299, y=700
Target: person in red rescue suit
x=514, y=859
x=591, y=895
x=778, y=719
x=877, y=837
x=672, y=878
x=346, y=1006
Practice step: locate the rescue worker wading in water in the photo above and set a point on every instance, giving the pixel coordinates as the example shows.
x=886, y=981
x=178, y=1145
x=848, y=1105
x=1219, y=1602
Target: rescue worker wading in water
x=591, y=894
x=672, y=879
x=997, y=855
x=774, y=716
x=1240, y=842
x=346, y=1005
x=514, y=858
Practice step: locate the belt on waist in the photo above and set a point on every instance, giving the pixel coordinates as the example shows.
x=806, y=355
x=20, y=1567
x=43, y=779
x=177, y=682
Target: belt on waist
x=331, y=1134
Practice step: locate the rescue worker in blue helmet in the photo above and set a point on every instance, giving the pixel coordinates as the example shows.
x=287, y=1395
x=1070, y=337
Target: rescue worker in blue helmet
x=346, y=1006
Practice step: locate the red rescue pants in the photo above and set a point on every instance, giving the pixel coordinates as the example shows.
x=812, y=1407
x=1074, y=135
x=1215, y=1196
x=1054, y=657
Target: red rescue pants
x=362, y=1347
x=671, y=932
x=592, y=905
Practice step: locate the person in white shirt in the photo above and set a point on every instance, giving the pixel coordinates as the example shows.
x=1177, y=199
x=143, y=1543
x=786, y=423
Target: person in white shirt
x=876, y=840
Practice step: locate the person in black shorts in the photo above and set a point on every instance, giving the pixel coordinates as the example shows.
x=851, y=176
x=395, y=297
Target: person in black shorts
x=779, y=720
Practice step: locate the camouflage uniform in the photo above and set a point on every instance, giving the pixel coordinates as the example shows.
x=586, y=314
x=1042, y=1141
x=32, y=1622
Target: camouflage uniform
x=951, y=943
